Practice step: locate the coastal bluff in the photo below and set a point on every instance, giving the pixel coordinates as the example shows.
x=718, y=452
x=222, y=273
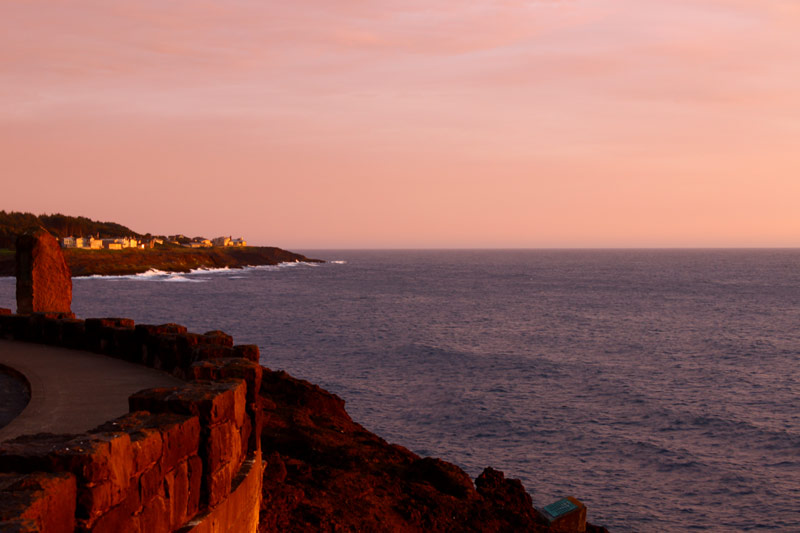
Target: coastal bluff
x=232, y=447
x=238, y=447
x=172, y=259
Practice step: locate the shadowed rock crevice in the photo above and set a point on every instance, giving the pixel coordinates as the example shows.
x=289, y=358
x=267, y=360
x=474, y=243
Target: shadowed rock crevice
x=15, y=393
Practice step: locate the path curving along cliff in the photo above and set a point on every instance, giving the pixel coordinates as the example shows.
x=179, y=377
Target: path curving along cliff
x=237, y=447
x=72, y=391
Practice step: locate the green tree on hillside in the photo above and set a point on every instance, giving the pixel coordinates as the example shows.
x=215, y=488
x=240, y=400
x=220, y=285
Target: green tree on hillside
x=14, y=223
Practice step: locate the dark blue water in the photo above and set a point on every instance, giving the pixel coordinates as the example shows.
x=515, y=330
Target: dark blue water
x=659, y=387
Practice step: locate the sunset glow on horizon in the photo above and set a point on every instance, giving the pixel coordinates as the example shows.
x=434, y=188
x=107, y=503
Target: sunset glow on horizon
x=389, y=124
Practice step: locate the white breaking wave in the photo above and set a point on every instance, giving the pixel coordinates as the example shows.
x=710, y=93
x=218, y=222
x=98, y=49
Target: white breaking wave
x=280, y=266
x=265, y=267
x=183, y=279
x=204, y=270
x=150, y=274
x=155, y=274
x=338, y=262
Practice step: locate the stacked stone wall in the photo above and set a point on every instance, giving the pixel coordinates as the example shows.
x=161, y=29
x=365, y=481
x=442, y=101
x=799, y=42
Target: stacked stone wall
x=186, y=458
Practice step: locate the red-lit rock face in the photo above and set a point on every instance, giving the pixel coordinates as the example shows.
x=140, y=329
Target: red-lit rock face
x=327, y=473
x=196, y=451
x=37, y=502
x=44, y=283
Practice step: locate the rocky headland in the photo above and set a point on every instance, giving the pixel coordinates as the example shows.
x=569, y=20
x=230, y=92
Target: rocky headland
x=171, y=254
x=168, y=259
x=239, y=447
x=327, y=473
x=322, y=471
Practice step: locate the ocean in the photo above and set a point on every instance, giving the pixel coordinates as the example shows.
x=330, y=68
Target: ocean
x=659, y=387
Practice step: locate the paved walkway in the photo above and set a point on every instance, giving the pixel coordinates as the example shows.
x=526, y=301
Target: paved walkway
x=73, y=391
x=14, y=395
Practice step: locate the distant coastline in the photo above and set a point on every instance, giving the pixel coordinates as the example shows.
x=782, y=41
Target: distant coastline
x=95, y=248
x=173, y=259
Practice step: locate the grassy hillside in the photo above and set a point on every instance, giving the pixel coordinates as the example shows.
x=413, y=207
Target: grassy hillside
x=13, y=223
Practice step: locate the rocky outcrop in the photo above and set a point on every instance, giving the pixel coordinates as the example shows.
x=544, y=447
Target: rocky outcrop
x=44, y=283
x=327, y=473
x=38, y=502
x=168, y=259
x=197, y=450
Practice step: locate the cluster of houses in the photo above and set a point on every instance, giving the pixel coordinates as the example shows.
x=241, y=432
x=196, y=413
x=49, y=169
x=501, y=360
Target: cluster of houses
x=90, y=243
x=119, y=243
x=202, y=242
x=227, y=241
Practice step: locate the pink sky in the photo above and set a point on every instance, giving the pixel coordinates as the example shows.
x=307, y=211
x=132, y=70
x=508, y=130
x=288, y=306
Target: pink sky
x=403, y=123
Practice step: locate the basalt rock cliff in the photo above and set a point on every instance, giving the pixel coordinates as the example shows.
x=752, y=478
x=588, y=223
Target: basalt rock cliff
x=321, y=470
x=168, y=259
x=327, y=473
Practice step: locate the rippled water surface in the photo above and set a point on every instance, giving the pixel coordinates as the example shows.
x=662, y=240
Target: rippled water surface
x=659, y=387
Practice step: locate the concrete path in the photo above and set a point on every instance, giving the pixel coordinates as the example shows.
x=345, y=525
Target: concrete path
x=14, y=395
x=73, y=391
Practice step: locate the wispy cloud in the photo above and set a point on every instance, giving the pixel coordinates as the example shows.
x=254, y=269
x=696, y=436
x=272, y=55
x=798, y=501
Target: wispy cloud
x=557, y=98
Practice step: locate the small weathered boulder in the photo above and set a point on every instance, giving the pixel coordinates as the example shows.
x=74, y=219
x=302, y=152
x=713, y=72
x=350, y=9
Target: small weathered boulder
x=445, y=477
x=509, y=497
x=44, y=282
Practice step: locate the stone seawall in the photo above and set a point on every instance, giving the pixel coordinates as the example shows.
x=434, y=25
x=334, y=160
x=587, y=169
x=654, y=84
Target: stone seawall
x=189, y=458
x=183, y=459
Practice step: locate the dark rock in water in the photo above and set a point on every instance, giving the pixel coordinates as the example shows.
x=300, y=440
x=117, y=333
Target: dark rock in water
x=44, y=282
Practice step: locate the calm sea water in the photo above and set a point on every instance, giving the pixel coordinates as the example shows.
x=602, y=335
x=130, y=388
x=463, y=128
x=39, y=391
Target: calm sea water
x=659, y=387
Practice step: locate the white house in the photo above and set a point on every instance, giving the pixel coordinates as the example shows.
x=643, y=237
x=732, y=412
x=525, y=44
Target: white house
x=227, y=241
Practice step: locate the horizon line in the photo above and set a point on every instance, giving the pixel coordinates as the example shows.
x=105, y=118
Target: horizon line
x=550, y=248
